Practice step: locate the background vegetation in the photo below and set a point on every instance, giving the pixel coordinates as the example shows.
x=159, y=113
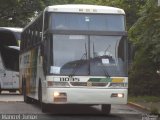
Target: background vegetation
x=143, y=24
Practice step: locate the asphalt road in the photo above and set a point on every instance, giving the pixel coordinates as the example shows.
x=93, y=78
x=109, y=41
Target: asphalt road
x=13, y=106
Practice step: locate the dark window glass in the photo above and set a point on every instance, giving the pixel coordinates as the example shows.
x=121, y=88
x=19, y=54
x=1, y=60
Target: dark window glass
x=90, y=22
x=10, y=58
x=88, y=55
x=69, y=55
x=107, y=56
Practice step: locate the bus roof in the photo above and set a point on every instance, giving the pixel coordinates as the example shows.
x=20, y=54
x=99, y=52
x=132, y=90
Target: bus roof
x=13, y=29
x=14, y=47
x=81, y=8
x=10, y=36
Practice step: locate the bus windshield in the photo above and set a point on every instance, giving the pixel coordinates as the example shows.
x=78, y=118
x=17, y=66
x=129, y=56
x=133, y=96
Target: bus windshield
x=10, y=57
x=92, y=22
x=88, y=55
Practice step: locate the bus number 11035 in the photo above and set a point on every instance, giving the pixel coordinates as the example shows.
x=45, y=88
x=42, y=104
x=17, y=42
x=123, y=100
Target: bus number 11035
x=71, y=79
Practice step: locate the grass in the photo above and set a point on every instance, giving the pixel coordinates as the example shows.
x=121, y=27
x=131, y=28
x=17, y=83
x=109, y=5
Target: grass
x=150, y=102
x=143, y=99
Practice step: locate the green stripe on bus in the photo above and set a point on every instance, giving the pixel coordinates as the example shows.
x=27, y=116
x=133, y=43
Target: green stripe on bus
x=100, y=80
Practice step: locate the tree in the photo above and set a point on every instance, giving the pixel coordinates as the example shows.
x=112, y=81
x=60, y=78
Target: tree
x=18, y=12
x=145, y=34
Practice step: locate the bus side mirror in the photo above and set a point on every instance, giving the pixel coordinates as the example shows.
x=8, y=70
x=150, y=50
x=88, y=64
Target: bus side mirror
x=42, y=57
x=42, y=49
x=131, y=53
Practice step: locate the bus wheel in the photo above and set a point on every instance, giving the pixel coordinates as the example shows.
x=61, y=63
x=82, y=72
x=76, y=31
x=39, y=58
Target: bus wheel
x=43, y=105
x=106, y=108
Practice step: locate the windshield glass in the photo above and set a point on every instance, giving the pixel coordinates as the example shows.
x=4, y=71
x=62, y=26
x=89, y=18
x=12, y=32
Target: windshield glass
x=69, y=52
x=106, y=57
x=88, y=55
x=92, y=22
x=10, y=58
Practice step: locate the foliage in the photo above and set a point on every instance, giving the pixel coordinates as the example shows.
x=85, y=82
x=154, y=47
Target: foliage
x=145, y=34
x=144, y=99
x=18, y=12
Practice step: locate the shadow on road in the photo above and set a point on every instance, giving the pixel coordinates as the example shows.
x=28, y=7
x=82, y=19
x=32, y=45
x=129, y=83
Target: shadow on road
x=75, y=112
x=72, y=109
x=13, y=104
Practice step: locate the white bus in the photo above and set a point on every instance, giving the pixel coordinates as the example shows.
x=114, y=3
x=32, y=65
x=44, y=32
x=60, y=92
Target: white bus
x=75, y=54
x=9, y=59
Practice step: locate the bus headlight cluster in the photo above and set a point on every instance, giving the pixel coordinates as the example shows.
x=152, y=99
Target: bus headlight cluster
x=59, y=96
x=117, y=95
x=56, y=94
x=117, y=85
x=57, y=84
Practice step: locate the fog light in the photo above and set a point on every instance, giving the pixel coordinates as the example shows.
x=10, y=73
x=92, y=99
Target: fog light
x=56, y=94
x=59, y=97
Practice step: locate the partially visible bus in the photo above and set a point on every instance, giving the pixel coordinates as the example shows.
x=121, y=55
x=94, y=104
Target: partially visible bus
x=9, y=59
x=75, y=54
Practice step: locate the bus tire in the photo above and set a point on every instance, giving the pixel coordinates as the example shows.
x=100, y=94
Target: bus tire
x=43, y=105
x=106, y=108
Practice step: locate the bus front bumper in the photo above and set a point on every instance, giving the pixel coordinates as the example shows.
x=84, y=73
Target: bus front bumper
x=85, y=96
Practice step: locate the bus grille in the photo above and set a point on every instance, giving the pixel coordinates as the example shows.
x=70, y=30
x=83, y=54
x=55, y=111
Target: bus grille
x=88, y=84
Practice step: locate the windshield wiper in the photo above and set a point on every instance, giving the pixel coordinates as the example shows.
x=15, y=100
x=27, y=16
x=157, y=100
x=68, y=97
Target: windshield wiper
x=103, y=67
x=105, y=71
x=79, y=62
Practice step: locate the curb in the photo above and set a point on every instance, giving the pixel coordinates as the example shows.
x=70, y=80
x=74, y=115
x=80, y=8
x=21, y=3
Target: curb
x=138, y=106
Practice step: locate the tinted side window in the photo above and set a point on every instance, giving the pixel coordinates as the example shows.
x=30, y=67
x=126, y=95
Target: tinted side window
x=10, y=58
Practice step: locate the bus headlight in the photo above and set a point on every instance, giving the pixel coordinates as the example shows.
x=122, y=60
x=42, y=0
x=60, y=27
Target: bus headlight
x=56, y=94
x=57, y=84
x=59, y=96
x=117, y=95
x=117, y=85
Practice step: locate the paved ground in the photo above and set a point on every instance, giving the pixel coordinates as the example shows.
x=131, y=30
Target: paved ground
x=13, y=97
x=13, y=104
x=18, y=99
x=118, y=112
